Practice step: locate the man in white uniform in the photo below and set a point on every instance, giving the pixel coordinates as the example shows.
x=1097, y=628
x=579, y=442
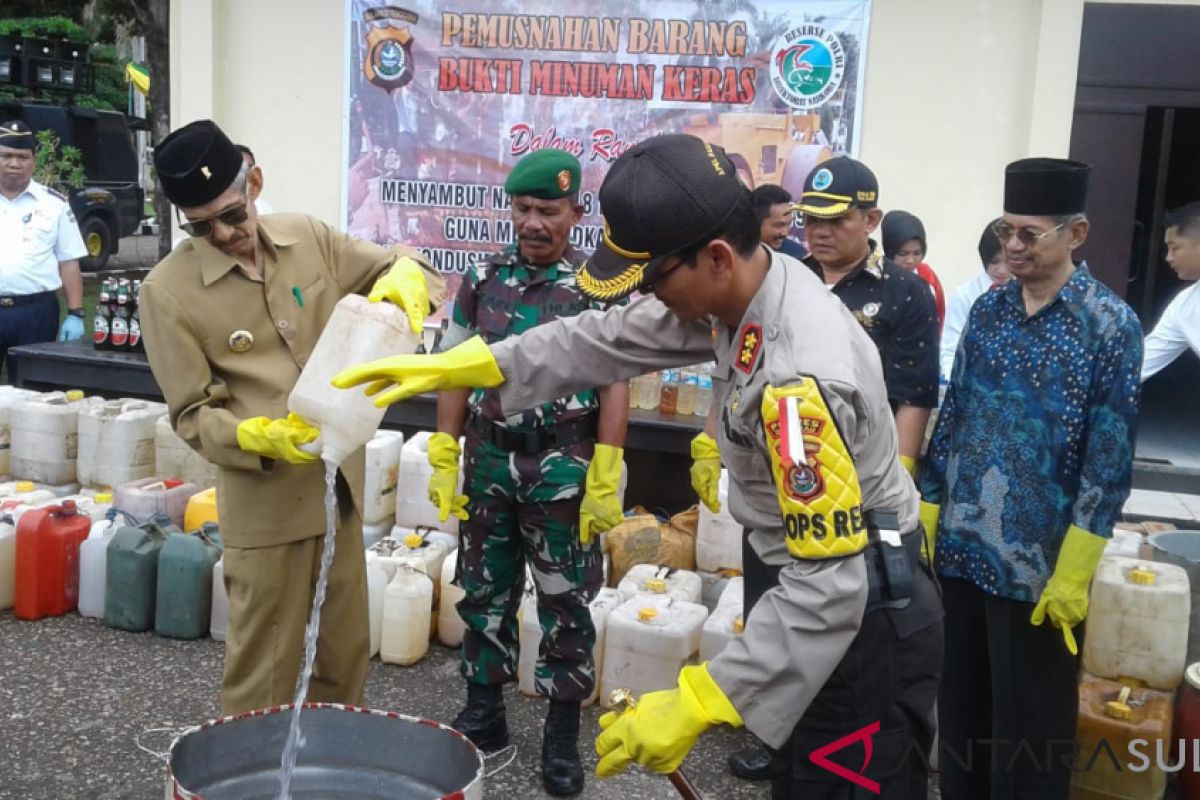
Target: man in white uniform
x=1179, y=326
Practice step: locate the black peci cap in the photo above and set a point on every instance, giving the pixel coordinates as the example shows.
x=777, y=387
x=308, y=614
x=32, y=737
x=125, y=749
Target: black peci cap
x=1046, y=187
x=837, y=185
x=196, y=164
x=16, y=134
x=665, y=195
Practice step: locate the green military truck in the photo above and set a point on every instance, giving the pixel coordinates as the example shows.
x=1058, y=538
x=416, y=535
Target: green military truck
x=111, y=203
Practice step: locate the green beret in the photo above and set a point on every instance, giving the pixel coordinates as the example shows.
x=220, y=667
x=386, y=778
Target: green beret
x=545, y=174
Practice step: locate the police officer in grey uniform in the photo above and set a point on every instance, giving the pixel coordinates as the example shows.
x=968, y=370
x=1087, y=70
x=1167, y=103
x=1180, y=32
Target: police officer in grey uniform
x=838, y=666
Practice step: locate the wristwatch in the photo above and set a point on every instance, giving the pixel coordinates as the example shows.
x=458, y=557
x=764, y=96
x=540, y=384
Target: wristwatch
x=75, y=312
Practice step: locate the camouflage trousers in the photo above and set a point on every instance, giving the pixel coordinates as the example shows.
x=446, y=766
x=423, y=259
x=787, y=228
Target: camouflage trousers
x=524, y=509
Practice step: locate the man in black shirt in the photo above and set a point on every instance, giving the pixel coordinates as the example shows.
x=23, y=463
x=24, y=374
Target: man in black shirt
x=840, y=207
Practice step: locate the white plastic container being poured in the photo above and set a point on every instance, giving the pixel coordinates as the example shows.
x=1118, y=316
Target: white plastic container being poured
x=357, y=331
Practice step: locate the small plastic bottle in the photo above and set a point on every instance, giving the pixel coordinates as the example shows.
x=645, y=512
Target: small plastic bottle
x=669, y=394
x=685, y=403
x=650, y=391
x=704, y=390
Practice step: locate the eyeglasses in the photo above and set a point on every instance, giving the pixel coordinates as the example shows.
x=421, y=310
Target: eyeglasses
x=649, y=285
x=234, y=215
x=1027, y=236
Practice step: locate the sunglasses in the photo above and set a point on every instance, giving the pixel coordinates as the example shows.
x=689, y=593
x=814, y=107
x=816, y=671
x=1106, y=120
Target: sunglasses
x=232, y=216
x=1027, y=236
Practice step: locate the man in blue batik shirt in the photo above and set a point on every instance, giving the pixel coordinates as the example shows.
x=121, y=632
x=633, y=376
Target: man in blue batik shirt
x=1028, y=468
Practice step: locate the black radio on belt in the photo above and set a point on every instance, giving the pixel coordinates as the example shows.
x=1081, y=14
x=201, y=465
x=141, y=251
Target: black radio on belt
x=889, y=568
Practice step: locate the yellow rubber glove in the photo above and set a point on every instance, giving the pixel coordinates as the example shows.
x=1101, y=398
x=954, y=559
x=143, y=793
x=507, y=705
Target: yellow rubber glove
x=404, y=285
x=1065, y=598
x=601, y=508
x=277, y=438
x=661, y=729
x=910, y=465
x=469, y=365
x=443, y=483
x=706, y=470
x=929, y=515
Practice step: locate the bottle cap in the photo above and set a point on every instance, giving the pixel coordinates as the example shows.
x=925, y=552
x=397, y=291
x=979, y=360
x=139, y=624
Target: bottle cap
x=1142, y=575
x=655, y=586
x=1119, y=708
x=647, y=614
x=413, y=541
x=68, y=507
x=103, y=497
x=25, y=486
x=74, y=394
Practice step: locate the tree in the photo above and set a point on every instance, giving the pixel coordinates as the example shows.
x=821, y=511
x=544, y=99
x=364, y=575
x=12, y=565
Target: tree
x=58, y=167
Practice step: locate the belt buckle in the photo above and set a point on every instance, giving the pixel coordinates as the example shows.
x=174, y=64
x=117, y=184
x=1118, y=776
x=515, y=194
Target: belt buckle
x=531, y=443
x=7, y=301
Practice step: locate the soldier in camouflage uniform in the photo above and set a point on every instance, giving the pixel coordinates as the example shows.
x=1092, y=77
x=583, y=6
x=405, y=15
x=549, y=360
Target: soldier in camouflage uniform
x=537, y=484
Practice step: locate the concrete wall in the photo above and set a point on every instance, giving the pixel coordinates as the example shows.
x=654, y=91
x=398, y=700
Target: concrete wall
x=955, y=89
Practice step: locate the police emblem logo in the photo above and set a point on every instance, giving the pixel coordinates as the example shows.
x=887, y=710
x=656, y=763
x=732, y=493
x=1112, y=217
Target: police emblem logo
x=564, y=180
x=804, y=482
x=388, y=62
x=807, y=66
x=241, y=341
x=749, y=346
x=822, y=180
x=870, y=309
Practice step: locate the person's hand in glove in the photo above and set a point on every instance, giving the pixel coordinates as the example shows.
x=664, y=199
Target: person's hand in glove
x=601, y=508
x=706, y=470
x=443, y=483
x=277, y=439
x=660, y=730
x=1065, y=598
x=929, y=516
x=470, y=365
x=71, y=328
x=404, y=285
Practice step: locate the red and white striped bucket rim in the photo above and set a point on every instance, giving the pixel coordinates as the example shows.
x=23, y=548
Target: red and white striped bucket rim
x=180, y=793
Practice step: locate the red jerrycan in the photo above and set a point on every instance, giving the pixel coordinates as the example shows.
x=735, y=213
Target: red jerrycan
x=47, y=574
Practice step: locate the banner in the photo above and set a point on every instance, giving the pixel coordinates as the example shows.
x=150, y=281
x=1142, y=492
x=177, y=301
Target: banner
x=443, y=97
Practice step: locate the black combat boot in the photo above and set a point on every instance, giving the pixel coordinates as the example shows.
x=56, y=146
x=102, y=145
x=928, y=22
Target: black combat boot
x=562, y=773
x=483, y=720
x=752, y=765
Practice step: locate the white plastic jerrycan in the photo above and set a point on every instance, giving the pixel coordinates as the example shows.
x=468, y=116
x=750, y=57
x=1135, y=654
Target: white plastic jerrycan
x=9, y=395
x=174, y=459
x=8, y=561
x=218, y=620
x=601, y=607
x=450, y=627
x=357, y=331
x=413, y=509
x=45, y=436
x=721, y=626
x=377, y=581
x=680, y=584
x=382, y=475
x=116, y=441
x=719, y=536
x=606, y=601
x=734, y=592
x=450, y=540
x=1137, y=624
x=649, y=639
x=407, y=609
x=375, y=531
x=93, y=564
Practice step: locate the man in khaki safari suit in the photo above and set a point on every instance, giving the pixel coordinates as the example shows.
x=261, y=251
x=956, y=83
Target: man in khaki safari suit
x=229, y=319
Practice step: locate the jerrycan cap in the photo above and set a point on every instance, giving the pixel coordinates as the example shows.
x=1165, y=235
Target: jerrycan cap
x=25, y=486
x=103, y=497
x=647, y=614
x=74, y=394
x=413, y=541
x=1119, y=708
x=171, y=483
x=1142, y=575
x=69, y=508
x=655, y=586
x=739, y=625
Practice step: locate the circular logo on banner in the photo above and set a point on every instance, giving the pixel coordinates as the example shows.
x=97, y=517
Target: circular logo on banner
x=390, y=60
x=807, y=66
x=822, y=179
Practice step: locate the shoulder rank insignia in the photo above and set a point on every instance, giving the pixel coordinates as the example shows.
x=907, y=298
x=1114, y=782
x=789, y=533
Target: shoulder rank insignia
x=748, y=347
